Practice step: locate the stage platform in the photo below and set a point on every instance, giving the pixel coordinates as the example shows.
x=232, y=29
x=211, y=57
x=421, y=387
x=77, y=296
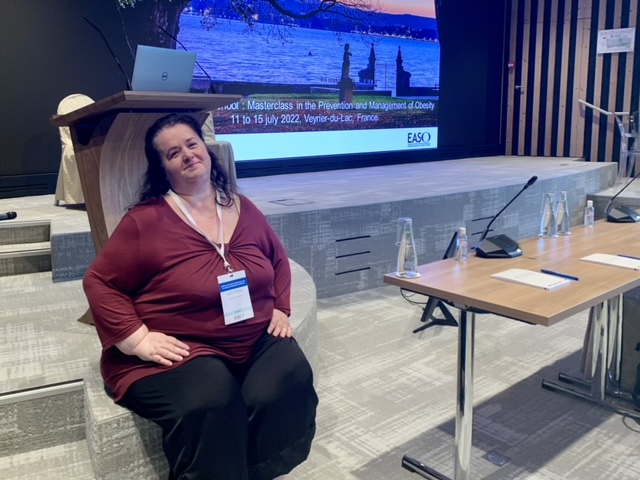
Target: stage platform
x=341, y=225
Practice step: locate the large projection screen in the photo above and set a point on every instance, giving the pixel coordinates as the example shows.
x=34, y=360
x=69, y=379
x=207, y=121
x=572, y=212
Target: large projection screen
x=354, y=77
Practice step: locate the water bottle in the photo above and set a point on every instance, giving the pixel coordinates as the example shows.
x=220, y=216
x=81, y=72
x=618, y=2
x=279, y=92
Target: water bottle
x=407, y=263
x=462, y=247
x=548, y=224
x=589, y=214
x=563, y=219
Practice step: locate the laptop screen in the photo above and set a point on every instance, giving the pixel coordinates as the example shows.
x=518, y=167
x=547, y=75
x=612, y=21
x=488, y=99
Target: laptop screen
x=162, y=70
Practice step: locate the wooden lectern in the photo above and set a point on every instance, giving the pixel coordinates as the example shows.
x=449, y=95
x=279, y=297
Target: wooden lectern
x=108, y=140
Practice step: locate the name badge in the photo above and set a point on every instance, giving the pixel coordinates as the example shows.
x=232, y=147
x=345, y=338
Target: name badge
x=236, y=302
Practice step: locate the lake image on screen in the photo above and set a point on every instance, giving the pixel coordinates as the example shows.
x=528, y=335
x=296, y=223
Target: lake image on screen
x=316, y=81
x=230, y=54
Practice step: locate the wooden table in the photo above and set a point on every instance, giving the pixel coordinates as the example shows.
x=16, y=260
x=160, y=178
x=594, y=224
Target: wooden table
x=469, y=286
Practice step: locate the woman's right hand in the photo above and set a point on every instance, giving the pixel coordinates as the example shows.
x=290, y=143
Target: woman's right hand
x=160, y=348
x=154, y=347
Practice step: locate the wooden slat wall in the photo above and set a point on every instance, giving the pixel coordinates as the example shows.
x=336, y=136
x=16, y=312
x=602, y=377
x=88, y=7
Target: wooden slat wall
x=553, y=50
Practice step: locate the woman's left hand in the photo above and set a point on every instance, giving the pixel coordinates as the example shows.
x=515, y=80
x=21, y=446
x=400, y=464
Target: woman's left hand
x=279, y=326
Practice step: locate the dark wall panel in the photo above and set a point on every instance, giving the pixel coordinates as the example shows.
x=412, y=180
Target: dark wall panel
x=48, y=52
x=471, y=66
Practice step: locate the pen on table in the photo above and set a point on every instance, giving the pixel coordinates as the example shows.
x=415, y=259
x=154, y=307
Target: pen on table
x=628, y=256
x=569, y=277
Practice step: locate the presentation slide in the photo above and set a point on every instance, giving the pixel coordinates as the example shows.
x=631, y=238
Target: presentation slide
x=319, y=78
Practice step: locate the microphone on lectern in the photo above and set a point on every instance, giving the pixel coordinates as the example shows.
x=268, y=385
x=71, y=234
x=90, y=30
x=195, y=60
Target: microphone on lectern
x=500, y=246
x=211, y=88
x=113, y=55
x=622, y=213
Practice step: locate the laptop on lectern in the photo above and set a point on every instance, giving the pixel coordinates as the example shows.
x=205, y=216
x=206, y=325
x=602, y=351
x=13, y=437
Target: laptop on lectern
x=162, y=70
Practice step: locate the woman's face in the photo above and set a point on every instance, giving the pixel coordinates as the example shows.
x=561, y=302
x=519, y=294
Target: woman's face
x=184, y=157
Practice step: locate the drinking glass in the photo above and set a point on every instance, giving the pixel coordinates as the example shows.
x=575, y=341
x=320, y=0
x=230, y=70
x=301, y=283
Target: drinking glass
x=407, y=262
x=548, y=224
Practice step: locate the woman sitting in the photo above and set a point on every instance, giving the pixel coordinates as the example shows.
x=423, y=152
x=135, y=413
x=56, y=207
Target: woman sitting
x=191, y=297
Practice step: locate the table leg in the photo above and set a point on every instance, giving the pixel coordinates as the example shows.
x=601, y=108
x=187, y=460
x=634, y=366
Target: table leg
x=604, y=387
x=614, y=365
x=600, y=355
x=464, y=408
x=464, y=403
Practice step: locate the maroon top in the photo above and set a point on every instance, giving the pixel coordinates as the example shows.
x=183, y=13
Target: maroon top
x=157, y=270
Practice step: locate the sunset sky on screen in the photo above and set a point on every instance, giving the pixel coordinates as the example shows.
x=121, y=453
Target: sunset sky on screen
x=423, y=8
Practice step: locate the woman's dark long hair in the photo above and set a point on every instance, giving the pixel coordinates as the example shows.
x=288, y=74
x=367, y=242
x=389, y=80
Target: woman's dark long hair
x=156, y=184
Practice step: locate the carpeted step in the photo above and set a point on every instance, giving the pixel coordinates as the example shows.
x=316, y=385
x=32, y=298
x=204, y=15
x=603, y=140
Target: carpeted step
x=36, y=231
x=25, y=247
x=69, y=461
x=18, y=259
x=41, y=417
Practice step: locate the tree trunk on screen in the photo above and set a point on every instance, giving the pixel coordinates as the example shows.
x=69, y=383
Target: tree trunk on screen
x=142, y=22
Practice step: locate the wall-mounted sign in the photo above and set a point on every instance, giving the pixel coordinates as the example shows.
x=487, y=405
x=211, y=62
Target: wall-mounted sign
x=616, y=40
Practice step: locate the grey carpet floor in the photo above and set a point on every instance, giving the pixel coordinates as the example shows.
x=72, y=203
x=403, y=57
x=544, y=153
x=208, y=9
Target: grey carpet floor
x=385, y=392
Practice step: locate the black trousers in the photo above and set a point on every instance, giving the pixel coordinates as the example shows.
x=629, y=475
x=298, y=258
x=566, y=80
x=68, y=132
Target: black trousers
x=224, y=421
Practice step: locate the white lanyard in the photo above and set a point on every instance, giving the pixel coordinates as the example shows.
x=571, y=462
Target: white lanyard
x=219, y=249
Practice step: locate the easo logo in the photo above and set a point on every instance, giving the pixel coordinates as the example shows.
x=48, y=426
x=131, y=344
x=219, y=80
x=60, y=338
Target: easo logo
x=418, y=139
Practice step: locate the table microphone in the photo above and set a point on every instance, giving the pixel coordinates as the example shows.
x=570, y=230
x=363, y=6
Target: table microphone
x=8, y=216
x=622, y=213
x=501, y=246
x=211, y=88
